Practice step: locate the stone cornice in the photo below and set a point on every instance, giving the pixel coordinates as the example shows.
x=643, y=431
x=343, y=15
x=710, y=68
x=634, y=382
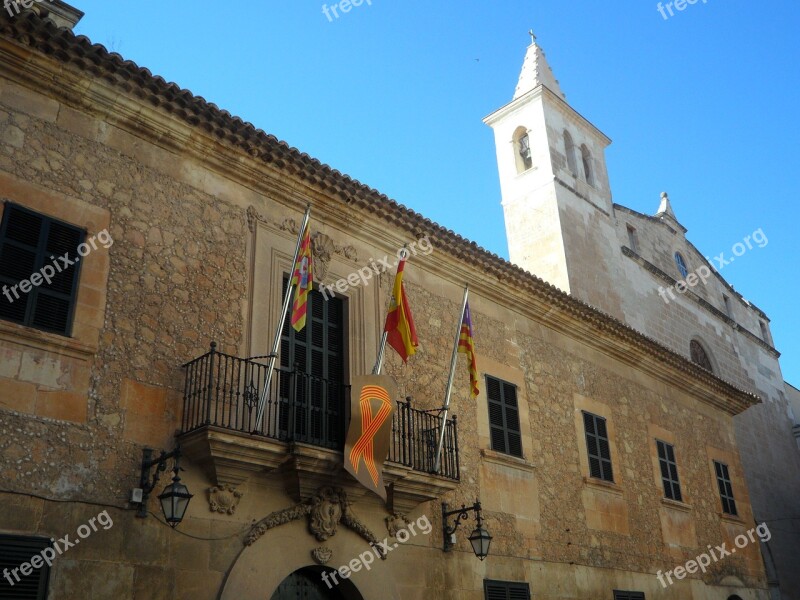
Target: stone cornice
x=87, y=77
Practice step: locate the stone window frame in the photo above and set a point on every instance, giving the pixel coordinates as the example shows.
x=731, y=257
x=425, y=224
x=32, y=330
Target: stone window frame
x=584, y=403
x=655, y=434
x=41, y=260
x=736, y=473
x=507, y=429
x=515, y=376
x=89, y=313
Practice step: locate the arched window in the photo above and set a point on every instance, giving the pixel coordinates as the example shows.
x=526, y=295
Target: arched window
x=681, y=263
x=569, y=149
x=522, y=150
x=588, y=166
x=700, y=356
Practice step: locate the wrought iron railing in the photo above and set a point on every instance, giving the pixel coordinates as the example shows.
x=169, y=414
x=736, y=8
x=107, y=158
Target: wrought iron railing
x=222, y=390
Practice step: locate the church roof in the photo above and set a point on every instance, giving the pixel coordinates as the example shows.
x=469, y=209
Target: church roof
x=535, y=72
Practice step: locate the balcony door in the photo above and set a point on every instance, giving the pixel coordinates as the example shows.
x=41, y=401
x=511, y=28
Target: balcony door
x=312, y=377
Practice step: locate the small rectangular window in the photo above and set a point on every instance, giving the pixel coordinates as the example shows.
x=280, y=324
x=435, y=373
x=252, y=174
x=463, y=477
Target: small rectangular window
x=31, y=245
x=725, y=488
x=598, y=447
x=619, y=595
x=764, y=332
x=506, y=590
x=669, y=471
x=633, y=242
x=728, y=310
x=503, y=416
x=15, y=550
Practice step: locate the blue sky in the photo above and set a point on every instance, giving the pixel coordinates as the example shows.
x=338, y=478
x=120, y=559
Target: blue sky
x=701, y=105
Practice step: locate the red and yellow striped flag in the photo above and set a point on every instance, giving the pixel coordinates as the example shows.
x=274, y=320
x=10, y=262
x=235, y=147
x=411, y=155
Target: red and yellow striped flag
x=399, y=322
x=302, y=279
x=466, y=345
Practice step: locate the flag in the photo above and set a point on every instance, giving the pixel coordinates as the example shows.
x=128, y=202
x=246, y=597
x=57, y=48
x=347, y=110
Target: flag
x=466, y=345
x=302, y=279
x=402, y=336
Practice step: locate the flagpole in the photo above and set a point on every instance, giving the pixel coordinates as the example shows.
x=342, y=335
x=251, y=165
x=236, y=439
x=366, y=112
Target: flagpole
x=453, y=360
x=273, y=355
x=376, y=370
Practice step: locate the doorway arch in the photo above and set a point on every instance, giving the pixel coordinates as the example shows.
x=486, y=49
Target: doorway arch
x=307, y=584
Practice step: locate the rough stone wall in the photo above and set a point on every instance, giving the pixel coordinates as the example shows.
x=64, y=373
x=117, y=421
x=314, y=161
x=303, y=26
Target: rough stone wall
x=178, y=277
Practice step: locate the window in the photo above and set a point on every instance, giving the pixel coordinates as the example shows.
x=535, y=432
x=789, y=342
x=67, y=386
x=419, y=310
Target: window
x=681, y=265
x=588, y=167
x=569, y=149
x=503, y=416
x=312, y=374
x=669, y=471
x=764, y=332
x=618, y=595
x=699, y=355
x=506, y=590
x=725, y=488
x=598, y=447
x=727, y=302
x=15, y=550
x=522, y=150
x=29, y=242
x=633, y=242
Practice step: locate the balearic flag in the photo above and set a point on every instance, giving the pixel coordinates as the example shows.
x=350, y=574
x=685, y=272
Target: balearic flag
x=466, y=345
x=302, y=279
x=402, y=336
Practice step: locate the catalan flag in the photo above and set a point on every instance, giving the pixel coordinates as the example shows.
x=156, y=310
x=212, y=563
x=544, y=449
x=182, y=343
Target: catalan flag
x=466, y=345
x=402, y=336
x=302, y=279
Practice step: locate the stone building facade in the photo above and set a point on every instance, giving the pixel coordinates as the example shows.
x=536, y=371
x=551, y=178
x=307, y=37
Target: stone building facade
x=643, y=270
x=203, y=211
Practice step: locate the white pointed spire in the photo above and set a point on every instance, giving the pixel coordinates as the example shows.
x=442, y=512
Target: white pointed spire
x=665, y=208
x=536, y=71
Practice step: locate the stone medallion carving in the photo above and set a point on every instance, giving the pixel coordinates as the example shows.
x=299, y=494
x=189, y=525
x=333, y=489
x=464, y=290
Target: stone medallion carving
x=324, y=511
x=224, y=499
x=395, y=523
x=322, y=248
x=321, y=555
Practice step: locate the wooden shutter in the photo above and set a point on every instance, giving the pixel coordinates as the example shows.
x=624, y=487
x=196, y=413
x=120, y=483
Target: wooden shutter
x=669, y=471
x=15, y=550
x=618, y=595
x=598, y=447
x=503, y=416
x=28, y=242
x=725, y=488
x=506, y=590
